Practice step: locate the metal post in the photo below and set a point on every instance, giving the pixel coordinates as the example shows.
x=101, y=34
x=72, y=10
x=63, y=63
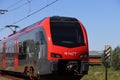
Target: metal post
x=106, y=70
x=107, y=54
x=3, y=11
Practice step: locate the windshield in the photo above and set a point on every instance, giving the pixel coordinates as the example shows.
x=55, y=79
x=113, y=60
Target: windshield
x=68, y=34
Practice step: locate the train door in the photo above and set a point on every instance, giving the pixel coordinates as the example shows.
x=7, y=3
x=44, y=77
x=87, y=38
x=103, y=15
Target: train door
x=32, y=49
x=16, y=53
x=41, y=40
x=4, y=55
x=43, y=64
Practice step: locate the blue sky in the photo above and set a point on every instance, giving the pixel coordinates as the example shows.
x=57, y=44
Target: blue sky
x=101, y=18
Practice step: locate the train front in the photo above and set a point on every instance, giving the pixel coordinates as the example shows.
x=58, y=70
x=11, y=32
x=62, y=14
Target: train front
x=67, y=46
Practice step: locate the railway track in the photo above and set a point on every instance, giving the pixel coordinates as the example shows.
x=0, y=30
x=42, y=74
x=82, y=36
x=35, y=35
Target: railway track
x=11, y=75
x=7, y=77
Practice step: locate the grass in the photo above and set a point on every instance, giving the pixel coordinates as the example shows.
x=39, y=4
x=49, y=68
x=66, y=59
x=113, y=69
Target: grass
x=98, y=73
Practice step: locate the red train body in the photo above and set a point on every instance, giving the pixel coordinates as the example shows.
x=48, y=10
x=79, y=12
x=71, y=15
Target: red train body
x=54, y=45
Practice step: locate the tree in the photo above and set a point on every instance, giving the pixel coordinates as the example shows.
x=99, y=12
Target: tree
x=115, y=58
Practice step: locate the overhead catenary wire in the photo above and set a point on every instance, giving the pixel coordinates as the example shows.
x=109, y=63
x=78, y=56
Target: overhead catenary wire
x=31, y=13
x=20, y=6
x=16, y=3
x=35, y=12
x=10, y=8
x=2, y=29
x=28, y=2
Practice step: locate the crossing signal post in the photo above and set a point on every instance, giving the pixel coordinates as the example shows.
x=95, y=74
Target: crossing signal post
x=107, y=54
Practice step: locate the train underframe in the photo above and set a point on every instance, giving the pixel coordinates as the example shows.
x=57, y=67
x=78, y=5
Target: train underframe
x=67, y=70
x=62, y=69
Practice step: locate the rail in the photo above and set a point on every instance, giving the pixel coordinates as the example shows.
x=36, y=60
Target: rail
x=15, y=74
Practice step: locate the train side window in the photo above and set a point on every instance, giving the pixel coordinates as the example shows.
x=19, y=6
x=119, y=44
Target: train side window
x=20, y=47
x=40, y=37
x=13, y=49
x=8, y=52
x=0, y=51
x=22, y=50
x=25, y=47
x=0, y=54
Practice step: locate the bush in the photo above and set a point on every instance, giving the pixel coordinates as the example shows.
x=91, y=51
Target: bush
x=115, y=58
x=114, y=61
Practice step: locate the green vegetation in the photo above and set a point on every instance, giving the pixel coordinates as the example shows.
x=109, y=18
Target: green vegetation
x=115, y=58
x=98, y=73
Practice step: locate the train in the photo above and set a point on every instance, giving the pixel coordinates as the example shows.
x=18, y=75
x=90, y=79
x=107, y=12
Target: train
x=53, y=45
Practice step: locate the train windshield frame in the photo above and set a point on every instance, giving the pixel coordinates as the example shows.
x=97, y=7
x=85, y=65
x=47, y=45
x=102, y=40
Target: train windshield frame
x=67, y=33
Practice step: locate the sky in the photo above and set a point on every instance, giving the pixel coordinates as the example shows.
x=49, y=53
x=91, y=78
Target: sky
x=101, y=18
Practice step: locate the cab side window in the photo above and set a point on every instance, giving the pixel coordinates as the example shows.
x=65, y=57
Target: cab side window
x=40, y=37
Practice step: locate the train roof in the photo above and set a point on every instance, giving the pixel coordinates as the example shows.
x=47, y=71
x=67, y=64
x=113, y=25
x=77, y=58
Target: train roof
x=62, y=19
x=31, y=25
x=52, y=19
x=22, y=30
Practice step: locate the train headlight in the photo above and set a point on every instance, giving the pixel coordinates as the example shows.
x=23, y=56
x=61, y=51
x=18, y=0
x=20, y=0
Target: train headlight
x=83, y=56
x=54, y=55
